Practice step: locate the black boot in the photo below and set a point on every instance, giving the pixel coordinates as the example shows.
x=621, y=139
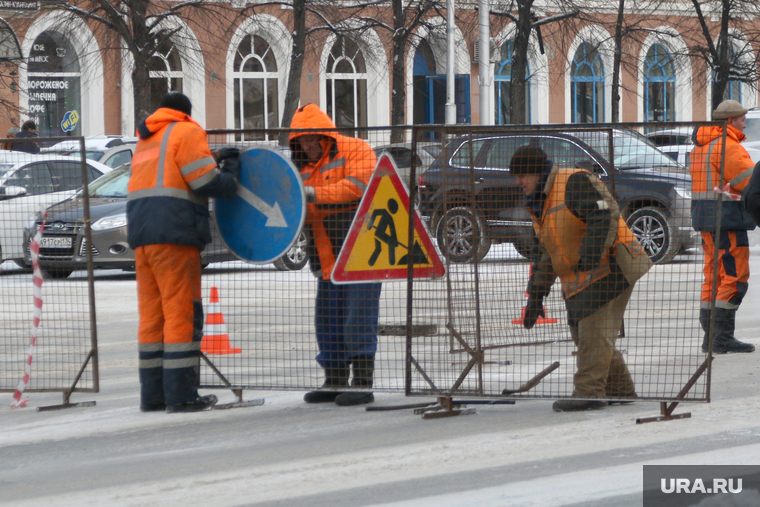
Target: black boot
x=364, y=369
x=578, y=405
x=704, y=321
x=334, y=378
x=725, y=321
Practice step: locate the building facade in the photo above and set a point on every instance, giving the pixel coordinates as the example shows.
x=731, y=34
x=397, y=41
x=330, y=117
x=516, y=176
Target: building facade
x=76, y=81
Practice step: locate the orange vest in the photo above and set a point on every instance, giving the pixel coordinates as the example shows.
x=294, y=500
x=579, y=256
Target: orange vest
x=561, y=233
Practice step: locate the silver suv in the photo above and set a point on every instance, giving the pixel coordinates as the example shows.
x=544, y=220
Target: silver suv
x=112, y=151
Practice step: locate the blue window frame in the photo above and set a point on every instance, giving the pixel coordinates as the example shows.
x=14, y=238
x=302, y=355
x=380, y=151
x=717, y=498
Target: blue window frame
x=587, y=83
x=503, y=80
x=430, y=90
x=734, y=89
x=659, y=85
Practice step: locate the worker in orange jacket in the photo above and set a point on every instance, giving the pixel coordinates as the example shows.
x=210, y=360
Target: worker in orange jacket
x=336, y=170
x=732, y=245
x=173, y=174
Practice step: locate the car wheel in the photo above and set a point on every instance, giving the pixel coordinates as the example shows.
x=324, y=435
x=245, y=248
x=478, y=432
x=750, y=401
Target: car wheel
x=56, y=273
x=295, y=258
x=654, y=229
x=461, y=235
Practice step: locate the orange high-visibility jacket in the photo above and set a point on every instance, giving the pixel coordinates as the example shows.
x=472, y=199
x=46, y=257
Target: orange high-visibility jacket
x=561, y=233
x=704, y=167
x=173, y=173
x=339, y=180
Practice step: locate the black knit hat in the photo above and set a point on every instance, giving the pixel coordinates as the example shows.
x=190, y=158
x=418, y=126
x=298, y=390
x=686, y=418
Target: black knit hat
x=178, y=102
x=528, y=160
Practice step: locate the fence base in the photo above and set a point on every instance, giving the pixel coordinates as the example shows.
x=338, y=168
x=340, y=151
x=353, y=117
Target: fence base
x=66, y=405
x=667, y=414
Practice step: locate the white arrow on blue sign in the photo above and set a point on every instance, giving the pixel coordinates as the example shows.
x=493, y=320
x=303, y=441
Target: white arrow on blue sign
x=261, y=223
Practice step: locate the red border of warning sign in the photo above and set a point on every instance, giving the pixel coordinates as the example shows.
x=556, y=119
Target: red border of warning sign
x=385, y=166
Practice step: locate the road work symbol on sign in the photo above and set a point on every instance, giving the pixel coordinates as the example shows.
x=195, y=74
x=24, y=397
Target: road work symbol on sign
x=376, y=248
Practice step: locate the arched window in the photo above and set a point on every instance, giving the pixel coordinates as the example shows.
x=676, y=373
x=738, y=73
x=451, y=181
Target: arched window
x=165, y=72
x=587, y=81
x=346, y=82
x=503, y=75
x=255, y=82
x=733, y=90
x=55, y=100
x=659, y=85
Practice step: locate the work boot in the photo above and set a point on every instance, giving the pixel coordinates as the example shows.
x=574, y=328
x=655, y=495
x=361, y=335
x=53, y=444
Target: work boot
x=152, y=407
x=578, y=405
x=334, y=378
x=622, y=399
x=725, y=321
x=196, y=405
x=704, y=321
x=364, y=368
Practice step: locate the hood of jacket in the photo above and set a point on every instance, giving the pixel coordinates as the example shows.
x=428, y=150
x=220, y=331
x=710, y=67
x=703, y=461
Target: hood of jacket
x=160, y=119
x=310, y=116
x=705, y=135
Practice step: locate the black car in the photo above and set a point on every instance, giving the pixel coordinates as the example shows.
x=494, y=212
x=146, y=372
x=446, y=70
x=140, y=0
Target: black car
x=472, y=201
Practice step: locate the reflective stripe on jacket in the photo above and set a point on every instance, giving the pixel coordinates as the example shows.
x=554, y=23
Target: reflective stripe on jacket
x=339, y=180
x=561, y=233
x=171, y=161
x=738, y=167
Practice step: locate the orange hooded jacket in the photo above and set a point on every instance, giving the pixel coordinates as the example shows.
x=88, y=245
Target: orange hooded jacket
x=173, y=173
x=339, y=179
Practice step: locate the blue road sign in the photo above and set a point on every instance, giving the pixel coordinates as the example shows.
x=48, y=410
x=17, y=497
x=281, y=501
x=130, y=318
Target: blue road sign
x=264, y=219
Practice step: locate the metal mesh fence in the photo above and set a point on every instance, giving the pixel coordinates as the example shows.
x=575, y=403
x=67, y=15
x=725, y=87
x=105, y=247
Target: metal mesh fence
x=463, y=333
x=65, y=356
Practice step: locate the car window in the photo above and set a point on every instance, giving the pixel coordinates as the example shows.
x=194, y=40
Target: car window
x=753, y=129
x=4, y=168
x=66, y=175
x=567, y=154
x=119, y=158
x=35, y=178
x=670, y=139
x=502, y=149
x=433, y=150
x=630, y=152
x=113, y=184
x=467, y=149
x=94, y=173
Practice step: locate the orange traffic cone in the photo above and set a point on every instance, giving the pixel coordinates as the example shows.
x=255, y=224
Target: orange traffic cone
x=541, y=320
x=215, y=338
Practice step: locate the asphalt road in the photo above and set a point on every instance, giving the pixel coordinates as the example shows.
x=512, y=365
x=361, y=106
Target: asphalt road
x=287, y=453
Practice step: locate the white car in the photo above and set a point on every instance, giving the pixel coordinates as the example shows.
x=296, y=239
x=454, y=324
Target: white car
x=30, y=183
x=677, y=143
x=112, y=151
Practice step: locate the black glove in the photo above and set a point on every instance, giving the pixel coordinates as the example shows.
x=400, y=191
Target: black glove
x=226, y=153
x=230, y=165
x=534, y=309
x=311, y=194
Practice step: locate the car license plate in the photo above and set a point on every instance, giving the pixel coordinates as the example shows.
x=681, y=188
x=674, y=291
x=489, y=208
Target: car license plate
x=51, y=242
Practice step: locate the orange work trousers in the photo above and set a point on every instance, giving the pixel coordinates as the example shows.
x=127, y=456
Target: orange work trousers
x=733, y=269
x=171, y=322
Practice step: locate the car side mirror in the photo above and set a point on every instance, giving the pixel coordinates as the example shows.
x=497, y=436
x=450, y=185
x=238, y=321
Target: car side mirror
x=12, y=191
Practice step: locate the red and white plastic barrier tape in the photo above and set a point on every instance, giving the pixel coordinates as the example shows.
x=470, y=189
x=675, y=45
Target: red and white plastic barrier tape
x=34, y=248
x=727, y=192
